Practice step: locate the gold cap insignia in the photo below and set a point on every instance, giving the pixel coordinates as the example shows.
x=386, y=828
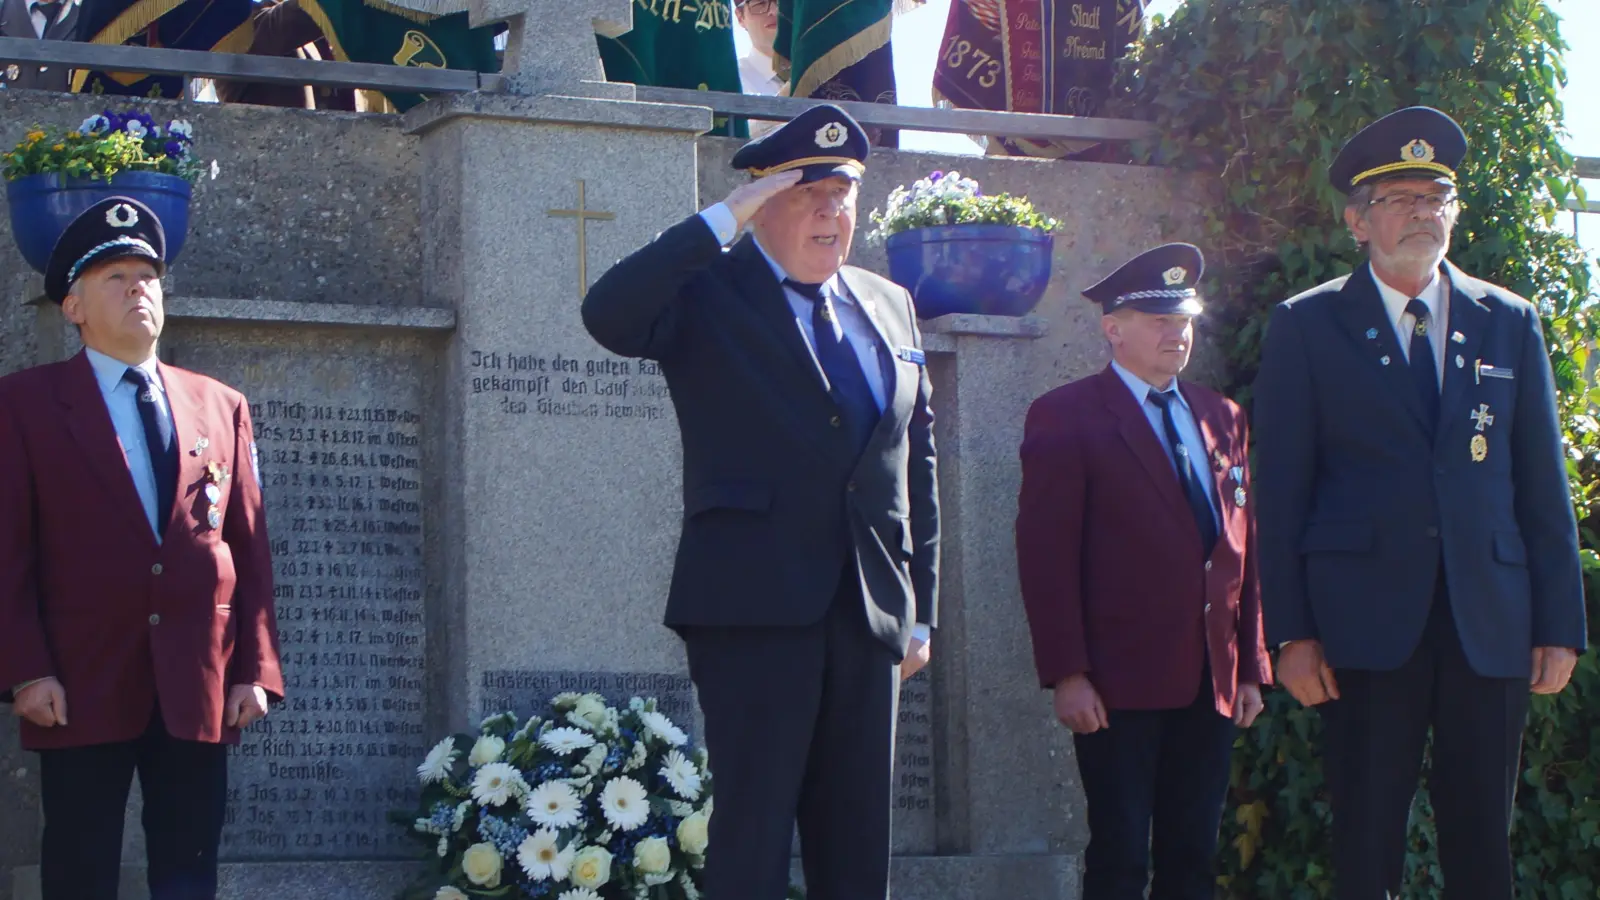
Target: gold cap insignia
x=830, y=135
x=1175, y=275
x=1418, y=150
x=122, y=216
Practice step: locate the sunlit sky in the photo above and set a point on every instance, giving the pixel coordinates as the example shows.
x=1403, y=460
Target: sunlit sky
x=917, y=36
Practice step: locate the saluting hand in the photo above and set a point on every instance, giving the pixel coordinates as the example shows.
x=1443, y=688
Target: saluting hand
x=246, y=704
x=44, y=703
x=1078, y=705
x=1552, y=669
x=747, y=198
x=1306, y=674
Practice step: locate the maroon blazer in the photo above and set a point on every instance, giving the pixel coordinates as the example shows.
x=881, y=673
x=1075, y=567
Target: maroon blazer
x=1113, y=579
x=86, y=593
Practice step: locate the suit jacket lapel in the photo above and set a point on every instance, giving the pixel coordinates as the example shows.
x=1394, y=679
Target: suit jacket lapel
x=1142, y=440
x=15, y=20
x=66, y=29
x=1470, y=319
x=1214, y=429
x=188, y=428
x=1360, y=309
x=885, y=355
x=765, y=294
x=90, y=424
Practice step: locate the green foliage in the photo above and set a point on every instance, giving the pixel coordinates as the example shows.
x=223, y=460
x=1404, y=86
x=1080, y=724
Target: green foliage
x=1263, y=93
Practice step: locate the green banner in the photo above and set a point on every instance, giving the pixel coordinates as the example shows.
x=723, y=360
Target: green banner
x=679, y=44
x=376, y=32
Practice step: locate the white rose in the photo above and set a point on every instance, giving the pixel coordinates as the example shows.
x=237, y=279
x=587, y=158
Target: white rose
x=449, y=893
x=591, y=708
x=652, y=856
x=591, y=868
x=482, y=864
x=694, y=834
x=486, y=750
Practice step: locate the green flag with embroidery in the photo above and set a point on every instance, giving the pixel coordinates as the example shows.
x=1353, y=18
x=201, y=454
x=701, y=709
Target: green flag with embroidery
x=371, y=31
x=839, y=50
x=679, y=44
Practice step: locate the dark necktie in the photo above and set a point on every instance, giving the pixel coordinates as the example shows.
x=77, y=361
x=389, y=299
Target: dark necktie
x=1193, y=490
x=847, y=383
x=1423, y=371
x=159, y=438
x=48, y=10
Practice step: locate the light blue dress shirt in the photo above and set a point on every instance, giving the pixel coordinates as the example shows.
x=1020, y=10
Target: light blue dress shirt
x=1188, y=430
x=858, y=328
x=122, y=401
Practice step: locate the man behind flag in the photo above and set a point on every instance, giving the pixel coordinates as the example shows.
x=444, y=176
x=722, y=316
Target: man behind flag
x=679, y=44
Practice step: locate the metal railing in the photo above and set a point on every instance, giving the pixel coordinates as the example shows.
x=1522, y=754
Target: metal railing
x=289, y=70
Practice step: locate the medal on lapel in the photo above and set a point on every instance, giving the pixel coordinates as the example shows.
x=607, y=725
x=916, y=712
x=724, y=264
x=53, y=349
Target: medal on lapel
x=1480, y=444
x=1238, y=486
x=217, y=476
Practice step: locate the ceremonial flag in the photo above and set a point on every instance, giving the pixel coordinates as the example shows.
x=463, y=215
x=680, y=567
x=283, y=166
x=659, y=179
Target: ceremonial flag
x=1037, y=56
x=839, y=50
x=679, y=44
x=215, y=25
x=372, y=31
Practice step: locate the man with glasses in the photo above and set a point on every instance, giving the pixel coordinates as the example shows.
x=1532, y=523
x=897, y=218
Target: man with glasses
x=757, y=75
x=1419, y=553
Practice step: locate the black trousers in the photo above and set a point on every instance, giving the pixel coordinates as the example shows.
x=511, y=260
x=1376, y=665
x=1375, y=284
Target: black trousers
x=799, y=728
x=1375, y=735
x=1155, y=783
x=85, y=796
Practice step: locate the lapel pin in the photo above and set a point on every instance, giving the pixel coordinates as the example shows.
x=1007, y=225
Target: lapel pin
x=1384, y=360
x=1481, y=418
x=200, y=444
x=1460, y=363
x=1458, y=337
x=1480, y=448
x=1372, y=334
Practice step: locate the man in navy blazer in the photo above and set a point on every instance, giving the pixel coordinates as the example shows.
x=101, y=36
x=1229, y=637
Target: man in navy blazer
x=806, y=579
x=1419, y=552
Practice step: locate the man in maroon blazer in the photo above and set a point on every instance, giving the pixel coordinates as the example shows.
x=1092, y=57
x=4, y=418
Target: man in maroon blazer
x=1136, y=550
x=136, y=617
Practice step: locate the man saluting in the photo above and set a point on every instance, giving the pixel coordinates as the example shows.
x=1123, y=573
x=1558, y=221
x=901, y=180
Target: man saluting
x=807, y=565
x=136, y=619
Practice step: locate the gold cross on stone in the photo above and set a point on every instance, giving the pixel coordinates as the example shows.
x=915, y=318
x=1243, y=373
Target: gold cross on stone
x=584, y=215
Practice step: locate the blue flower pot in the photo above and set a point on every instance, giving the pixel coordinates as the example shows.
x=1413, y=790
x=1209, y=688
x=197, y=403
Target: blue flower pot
x=991, y=270
x=42, y=206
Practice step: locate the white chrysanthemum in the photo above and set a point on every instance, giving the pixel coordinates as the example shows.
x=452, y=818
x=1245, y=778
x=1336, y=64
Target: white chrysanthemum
x=565, y=740
x=680, y=772
x=553, y=803
x=444, y=847
x=436, y=767
x=486, y=750
x=543, y=858
x=497, y=783
x=625, y=804
x=640, y=756
x=460, y=816
x=579, y=894
x=595, y=758
x=690, y=892
x=663, y=728
x=565, y=699
x=679, y=809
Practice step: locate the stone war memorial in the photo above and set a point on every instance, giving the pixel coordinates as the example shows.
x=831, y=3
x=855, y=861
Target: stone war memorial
x=473, y=507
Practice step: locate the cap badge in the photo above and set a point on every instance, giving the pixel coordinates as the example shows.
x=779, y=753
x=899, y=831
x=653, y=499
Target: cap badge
x=830, y=135
x=122, y=216
x=1175, y=275
x=1417, y=151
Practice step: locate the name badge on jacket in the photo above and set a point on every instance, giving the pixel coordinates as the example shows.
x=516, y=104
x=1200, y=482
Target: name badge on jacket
x=912, y=355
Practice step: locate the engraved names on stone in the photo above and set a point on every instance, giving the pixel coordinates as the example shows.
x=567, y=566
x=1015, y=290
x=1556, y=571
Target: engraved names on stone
x=532, y=383
x=914, y=812
x=318, y=777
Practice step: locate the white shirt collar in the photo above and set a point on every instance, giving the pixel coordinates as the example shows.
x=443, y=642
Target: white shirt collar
x=108, y=372
x=1141, y=389
x=1394, y=302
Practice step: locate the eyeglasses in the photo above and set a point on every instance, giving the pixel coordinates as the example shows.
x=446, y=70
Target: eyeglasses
x=758, y=7
x=1402, y=203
